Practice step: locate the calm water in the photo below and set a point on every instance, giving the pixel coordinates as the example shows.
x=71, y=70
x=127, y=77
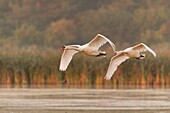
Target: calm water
x=75, y=100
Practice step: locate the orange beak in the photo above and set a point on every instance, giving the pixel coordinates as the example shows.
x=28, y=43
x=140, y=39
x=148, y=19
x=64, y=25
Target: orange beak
x=62, y=48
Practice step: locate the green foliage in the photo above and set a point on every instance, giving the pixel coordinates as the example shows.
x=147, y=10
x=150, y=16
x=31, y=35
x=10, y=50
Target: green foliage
x=28, y=35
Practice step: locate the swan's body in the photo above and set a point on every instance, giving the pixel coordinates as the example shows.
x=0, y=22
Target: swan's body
x=91, y=48
x=121, y=56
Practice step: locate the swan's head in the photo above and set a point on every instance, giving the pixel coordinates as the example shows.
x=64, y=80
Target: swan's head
x=63, y=47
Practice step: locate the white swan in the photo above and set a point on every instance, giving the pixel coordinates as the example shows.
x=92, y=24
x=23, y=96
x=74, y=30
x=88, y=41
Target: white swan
x=91, y=48
x=121, y=56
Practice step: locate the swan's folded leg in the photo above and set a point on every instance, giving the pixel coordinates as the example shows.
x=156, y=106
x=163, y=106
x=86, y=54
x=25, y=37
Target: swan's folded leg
x=142, y=56
x=102, y=53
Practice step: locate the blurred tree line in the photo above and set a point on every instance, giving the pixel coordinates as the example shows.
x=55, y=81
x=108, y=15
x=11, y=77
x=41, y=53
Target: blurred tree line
x=52, y=23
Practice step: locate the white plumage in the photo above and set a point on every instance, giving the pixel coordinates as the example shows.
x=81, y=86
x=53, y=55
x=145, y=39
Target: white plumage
x=91, y=48
x=66, y=58
x=121, y=56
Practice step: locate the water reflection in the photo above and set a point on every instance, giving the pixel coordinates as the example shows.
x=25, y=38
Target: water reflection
x=87, y=86
x=45, y=98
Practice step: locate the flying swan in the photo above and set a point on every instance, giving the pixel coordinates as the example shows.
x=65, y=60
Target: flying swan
x=91, y=48
x=121, y=56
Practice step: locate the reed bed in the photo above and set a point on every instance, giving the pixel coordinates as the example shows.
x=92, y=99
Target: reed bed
x=42, y=68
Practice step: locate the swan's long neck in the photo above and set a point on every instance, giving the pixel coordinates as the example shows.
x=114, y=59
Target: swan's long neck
x=114, y=51
x=74, y=47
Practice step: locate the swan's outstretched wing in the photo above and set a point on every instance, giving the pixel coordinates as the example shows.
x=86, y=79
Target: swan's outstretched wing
x=99, y=41
x=114, y=63
x=66, y=58
x=142, y=47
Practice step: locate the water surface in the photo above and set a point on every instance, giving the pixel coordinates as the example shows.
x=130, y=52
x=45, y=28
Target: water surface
x=74, y=100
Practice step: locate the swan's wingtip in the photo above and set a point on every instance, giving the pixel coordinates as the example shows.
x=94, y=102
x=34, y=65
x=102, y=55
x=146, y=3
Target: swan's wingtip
x=107, y=78
x=155, y=55
x=62, y=69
